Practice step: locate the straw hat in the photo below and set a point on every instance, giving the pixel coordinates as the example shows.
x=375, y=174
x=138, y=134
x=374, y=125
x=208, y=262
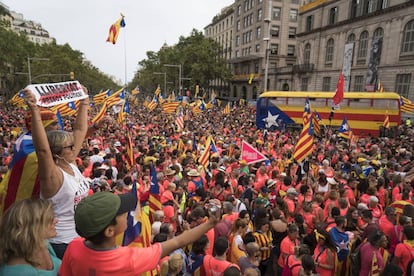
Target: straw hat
x=169, y=172
x=193, y=172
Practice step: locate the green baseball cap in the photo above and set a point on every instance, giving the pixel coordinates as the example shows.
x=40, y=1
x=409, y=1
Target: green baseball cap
x=94, y=213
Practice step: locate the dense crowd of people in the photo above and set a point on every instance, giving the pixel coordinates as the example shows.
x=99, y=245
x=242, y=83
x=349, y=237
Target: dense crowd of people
x=346, y=210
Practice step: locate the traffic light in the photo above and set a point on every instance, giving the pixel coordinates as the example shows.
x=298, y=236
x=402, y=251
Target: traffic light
x=72, y=75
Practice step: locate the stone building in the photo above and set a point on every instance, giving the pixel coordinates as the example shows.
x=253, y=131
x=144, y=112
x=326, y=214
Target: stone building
x=370, y=41
x=260, y=41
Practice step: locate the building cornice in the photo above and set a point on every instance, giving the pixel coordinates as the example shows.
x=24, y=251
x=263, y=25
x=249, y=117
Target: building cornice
x=359, y=18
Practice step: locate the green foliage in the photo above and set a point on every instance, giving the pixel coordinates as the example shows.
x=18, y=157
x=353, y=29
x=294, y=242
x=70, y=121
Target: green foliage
x=14, y=50
x=200, y=60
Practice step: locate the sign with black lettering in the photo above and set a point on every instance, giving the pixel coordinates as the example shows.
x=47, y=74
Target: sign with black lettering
x=51, y=94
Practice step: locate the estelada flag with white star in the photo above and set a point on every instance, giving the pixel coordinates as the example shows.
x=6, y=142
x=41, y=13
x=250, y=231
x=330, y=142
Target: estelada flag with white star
x=345, y=130
x=272, y=118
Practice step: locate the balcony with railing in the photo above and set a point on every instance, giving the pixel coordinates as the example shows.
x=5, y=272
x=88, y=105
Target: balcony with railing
x=303, y=68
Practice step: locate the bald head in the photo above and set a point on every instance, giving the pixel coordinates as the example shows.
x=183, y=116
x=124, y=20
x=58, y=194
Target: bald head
x=252, y=248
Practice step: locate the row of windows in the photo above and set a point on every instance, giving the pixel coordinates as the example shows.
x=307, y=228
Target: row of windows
x=247, y=36
x=407, y=45
x=402, y=84
x=276, y=15
x=358, y=8
x=248, y=5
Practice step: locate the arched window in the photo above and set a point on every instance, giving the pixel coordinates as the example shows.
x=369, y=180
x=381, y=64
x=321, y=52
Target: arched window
x=329, y=51
x=379, y=32
x=363, y=47
x=351, y=38
x=407, y=45
x=377, y=38
x=307, y=53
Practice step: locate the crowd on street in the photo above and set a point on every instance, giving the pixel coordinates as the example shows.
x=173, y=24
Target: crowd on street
x=346, y=210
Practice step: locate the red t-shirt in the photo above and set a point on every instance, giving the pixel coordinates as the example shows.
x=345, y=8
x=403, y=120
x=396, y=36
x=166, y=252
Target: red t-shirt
x=82, y=260
x=214, y=267
x=405, y=253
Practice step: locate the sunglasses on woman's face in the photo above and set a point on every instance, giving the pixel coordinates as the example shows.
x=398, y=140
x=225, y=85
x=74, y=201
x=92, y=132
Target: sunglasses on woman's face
x=69, y=147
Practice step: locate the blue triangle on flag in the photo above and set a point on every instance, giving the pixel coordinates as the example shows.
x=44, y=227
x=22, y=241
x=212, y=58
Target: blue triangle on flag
x=272, y=118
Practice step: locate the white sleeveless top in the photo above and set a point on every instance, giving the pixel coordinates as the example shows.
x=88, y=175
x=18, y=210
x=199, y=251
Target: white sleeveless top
x=72, y=191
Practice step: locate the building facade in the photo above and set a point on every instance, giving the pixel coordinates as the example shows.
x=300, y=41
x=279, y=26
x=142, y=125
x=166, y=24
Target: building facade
x=263, y=43
x=34, y=31
x=370, y=41
x=221, y=31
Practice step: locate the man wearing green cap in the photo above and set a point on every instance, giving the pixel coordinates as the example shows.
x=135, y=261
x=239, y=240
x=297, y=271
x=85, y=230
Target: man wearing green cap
x=99, y=219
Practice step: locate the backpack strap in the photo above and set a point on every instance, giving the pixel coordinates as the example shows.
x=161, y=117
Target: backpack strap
x=238, y=205
x=320, y=253
x=287, y=260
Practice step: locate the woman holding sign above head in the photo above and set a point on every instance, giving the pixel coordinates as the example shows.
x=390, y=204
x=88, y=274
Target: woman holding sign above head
x=61, y=182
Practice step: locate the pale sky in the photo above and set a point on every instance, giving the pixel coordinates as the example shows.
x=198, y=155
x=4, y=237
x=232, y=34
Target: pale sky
x=84, y=25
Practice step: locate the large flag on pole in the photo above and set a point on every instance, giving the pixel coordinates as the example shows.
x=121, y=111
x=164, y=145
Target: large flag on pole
x=304, y=146
x=339, y=95
x=115, y=29
x=250, y=154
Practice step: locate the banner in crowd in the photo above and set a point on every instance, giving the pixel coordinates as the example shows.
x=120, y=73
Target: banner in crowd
x=374, y=60
x=250, y=154
x=346, y=68
x=51, y=94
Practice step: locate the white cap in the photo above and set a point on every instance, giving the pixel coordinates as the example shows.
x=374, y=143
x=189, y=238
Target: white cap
x=117, y=144
x=291, y=191
x=373, y=199
x=331, y=181
x=362, y=206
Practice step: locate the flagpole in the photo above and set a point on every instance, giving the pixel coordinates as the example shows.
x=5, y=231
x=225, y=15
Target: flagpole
x=125, y=58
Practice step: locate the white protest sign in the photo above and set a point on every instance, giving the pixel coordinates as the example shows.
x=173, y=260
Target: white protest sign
x=51, y=94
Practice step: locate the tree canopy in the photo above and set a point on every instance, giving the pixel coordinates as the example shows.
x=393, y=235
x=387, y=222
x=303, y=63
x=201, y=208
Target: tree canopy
x=62, y=59
x=198, y=56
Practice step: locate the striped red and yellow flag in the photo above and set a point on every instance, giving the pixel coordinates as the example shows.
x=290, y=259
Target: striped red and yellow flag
x=304, y=146
x=100, y=114
x=386, y=123
x=66, y=109
x=406, y=105
x=152, y=105
x=157, y=91
x=17, y=100
x=21, y=180
x=130, y=152
x=100, y=97
x=226, y=110
x=170, y=107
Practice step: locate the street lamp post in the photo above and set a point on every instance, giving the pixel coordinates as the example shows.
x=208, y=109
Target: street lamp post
x=179, y=75
x=183, y=79
x=29, y=72
x=165, y=80
x=267, y=39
